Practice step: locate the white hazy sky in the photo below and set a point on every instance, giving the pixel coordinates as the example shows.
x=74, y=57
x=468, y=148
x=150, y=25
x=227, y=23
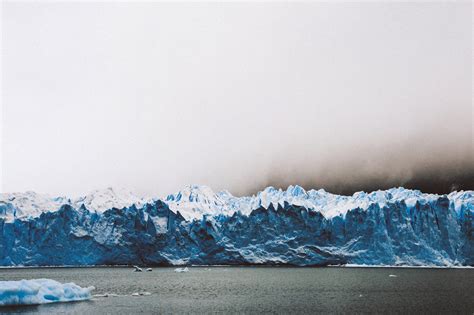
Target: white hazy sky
x=154, y=96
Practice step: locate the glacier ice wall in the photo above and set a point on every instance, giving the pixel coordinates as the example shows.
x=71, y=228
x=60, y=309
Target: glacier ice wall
x=395, y=227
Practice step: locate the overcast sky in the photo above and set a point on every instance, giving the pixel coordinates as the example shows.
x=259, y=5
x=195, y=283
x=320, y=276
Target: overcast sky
x=237, y=96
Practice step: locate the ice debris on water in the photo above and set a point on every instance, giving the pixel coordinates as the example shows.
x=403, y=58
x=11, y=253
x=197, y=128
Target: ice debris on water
x=185, y=269
x=41, y=291
x=106, y=295
x=141, y=293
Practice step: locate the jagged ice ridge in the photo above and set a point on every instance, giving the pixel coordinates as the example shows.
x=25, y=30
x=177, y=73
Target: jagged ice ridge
x=197, y=226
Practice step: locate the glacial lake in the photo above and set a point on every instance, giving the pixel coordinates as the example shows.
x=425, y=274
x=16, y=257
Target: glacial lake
x=259, y=290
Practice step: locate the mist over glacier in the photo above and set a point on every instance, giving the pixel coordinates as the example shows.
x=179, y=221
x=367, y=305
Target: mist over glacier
x=346, y=98
x=200, y=227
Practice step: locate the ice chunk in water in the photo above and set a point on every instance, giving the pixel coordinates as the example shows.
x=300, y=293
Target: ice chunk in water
x=41, y=291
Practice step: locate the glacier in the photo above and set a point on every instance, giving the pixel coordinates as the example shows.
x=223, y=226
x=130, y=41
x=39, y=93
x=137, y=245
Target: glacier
x=197, y=226
x=41, y=291
x=31, y=204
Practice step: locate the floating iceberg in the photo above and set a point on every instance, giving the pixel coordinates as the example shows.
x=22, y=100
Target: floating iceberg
x=185, y=269
x=41, y=291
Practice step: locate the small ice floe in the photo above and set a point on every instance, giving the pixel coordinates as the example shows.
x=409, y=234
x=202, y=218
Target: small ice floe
x=360, y=295
x=105, y=295
x=41, y=291
x=149, y=269
x=137, y=269
x=185, y=269
x=392, y=276
x=141, y=293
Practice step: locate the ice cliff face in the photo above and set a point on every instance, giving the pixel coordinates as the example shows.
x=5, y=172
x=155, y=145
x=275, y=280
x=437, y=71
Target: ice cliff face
x=197, y=226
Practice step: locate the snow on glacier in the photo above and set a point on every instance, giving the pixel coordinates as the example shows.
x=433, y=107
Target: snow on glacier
x=41, y=291
x=101, y=200
x=194, y=201
x=28, y=204
x=31, y=204
x=331, y=205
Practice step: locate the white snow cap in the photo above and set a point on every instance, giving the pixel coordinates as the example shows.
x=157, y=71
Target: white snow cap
x=195, y=201
x=104, y=199
x=28, y=204
x=31, y=204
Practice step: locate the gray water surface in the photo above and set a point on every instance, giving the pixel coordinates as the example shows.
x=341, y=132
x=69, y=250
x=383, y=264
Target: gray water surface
x=260, y=290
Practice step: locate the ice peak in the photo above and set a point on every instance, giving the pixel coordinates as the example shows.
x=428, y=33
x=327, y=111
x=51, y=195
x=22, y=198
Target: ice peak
x=296, y=190
x=193, y=193
x=194, y=201
x=107, y=198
